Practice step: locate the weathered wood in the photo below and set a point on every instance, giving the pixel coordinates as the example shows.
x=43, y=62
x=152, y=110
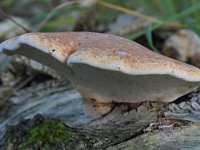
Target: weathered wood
x=178, y=138
x=185, y=108
x=55, y=99
x=94, y=137
x=123, y=128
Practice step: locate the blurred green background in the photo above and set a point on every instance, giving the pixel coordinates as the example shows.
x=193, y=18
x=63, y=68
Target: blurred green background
x=185, y=13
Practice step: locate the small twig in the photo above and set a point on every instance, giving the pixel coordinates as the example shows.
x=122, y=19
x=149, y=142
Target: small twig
x=7, y=97
x=46, y=19
x=5, y=15
x=26, y=81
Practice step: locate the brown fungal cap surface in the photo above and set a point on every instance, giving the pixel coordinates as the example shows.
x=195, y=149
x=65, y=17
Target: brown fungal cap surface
x=59, y=45
x=119, y=54
x=103, y=51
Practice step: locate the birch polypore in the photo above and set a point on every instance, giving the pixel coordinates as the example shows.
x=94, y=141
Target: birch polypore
x=107, y=69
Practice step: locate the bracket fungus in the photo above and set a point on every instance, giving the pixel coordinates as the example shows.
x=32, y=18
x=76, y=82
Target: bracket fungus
x=107, y=69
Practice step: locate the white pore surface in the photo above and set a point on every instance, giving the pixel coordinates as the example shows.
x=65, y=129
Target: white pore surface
x=112, y=86
x=39, y=56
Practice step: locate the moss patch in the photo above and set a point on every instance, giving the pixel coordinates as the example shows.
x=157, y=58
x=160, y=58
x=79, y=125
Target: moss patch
x=46, y=134
x=198, y=89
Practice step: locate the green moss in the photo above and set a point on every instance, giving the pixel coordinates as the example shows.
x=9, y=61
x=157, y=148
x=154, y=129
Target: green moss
x=46, y=133
x=198, y=89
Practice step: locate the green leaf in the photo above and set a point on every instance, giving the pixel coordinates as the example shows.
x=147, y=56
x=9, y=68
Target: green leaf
x=180, y=15
x=168, y=7
x=150, y=39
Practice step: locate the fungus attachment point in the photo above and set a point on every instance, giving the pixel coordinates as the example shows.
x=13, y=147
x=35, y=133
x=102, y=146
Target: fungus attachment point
x=107, y=68
x=95, y=108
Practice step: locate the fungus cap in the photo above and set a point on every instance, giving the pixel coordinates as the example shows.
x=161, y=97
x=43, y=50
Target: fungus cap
x=118, y=54
x=107, y=68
